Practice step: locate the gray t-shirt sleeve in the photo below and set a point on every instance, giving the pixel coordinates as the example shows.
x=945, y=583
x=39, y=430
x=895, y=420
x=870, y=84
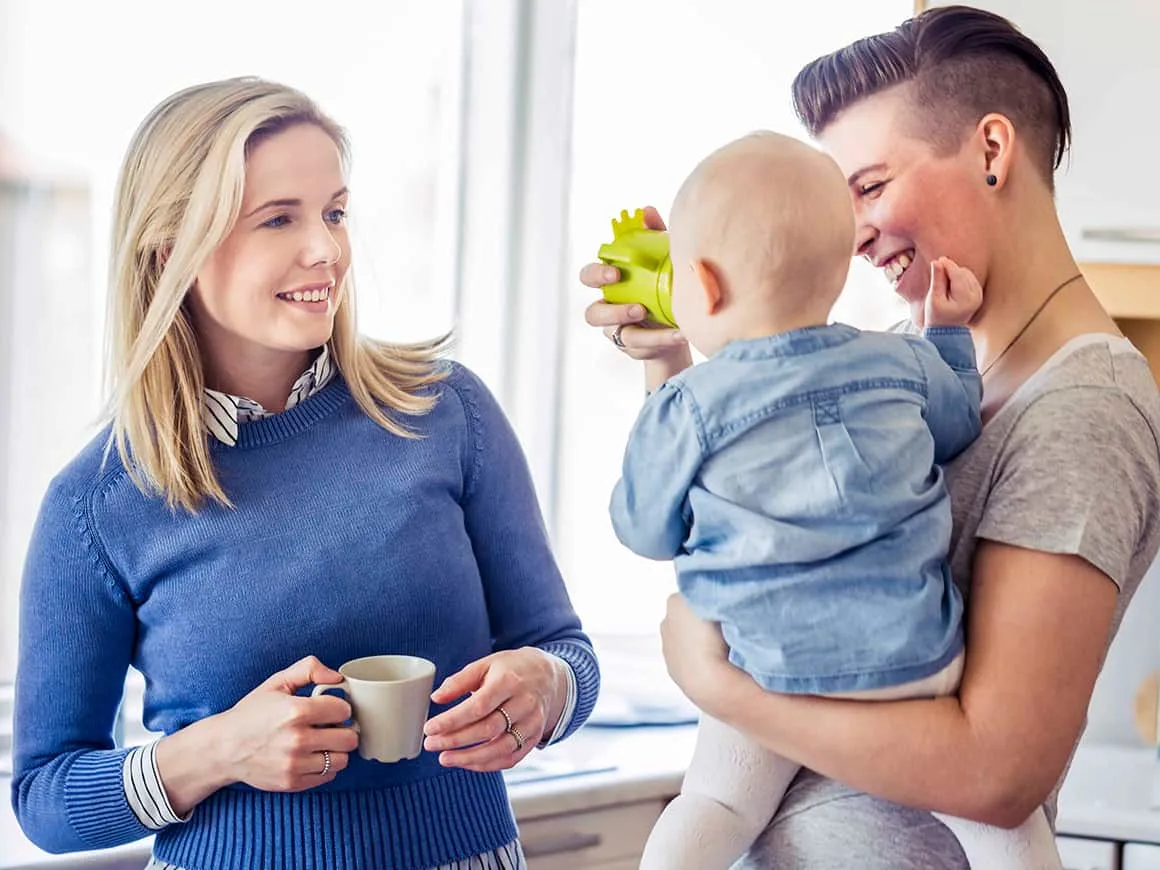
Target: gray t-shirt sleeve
x=1077, y=477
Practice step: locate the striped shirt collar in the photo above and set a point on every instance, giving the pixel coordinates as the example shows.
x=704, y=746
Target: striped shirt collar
x=224, y=413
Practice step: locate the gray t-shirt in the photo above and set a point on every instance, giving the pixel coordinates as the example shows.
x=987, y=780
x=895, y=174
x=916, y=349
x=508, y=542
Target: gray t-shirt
x=1070, y=464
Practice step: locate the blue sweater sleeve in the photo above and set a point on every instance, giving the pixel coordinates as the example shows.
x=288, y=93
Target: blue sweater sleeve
x=77, y=629
x=954, y=388
x=661, y=461
x=527, y=602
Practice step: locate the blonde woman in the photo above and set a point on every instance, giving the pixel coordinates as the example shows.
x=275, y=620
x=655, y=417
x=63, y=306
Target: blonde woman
x=273, y=493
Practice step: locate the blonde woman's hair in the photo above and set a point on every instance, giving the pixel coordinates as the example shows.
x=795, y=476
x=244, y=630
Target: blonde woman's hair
x=178, y=196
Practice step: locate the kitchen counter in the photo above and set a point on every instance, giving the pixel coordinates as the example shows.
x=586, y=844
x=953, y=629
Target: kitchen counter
x=1107, y=794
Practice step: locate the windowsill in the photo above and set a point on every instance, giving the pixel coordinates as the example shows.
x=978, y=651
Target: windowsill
x=635, y=688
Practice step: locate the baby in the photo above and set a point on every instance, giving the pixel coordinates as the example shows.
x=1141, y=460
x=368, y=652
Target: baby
x=794, y=478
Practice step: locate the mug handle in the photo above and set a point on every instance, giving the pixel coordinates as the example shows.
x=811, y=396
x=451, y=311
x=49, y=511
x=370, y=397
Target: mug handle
x=343, y=687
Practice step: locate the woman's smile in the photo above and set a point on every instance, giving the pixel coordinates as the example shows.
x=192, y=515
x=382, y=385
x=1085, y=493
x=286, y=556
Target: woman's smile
x=312, y=298
x=896, y=266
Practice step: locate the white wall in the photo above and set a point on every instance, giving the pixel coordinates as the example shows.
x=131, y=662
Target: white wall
x=1135, y=653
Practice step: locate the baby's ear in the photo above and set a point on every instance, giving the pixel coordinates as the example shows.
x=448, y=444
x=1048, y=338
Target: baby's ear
x=710, y=283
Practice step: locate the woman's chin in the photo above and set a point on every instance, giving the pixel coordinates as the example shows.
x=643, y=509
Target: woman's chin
x=307, y=339
x=911, y=288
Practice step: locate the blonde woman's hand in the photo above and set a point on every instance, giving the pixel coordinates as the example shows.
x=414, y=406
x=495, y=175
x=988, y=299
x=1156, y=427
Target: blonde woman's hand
x=659, y=345
x=955, y=294
x=275, y=739
x=531, y=686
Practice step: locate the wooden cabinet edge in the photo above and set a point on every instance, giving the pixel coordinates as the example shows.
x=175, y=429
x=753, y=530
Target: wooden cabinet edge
x=1131, y=294
x=1126, y=290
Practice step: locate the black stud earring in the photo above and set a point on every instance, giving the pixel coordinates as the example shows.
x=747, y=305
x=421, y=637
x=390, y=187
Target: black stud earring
x=992, y=180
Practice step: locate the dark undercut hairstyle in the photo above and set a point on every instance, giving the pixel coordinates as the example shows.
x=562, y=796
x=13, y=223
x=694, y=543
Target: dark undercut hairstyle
x=960, y=64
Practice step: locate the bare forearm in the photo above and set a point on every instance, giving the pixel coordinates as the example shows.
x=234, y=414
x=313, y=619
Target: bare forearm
x=191, y=765
x=1038, y=625
x=923, y=753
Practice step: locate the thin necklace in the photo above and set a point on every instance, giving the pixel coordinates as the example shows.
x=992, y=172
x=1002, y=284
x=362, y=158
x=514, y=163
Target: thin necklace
x=1030, y=321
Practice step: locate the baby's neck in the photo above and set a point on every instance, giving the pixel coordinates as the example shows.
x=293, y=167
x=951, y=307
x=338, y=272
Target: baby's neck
x=741, y=325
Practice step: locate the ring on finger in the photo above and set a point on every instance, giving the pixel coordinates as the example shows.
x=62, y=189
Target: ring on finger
x=515, y=732
x=507, y=720
x=615, y=336
x=325, y=763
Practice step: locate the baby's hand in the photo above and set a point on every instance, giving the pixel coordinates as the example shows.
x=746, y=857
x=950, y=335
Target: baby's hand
x=954, y=296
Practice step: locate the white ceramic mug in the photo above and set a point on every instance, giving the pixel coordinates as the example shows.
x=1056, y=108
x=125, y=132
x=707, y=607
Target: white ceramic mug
x=390, y=697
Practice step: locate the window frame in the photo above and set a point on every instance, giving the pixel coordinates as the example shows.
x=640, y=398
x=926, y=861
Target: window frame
x=514, y=216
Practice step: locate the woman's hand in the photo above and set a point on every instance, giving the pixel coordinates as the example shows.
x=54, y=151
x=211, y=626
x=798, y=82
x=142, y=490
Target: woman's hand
x=664, y=350
x=531, y=686
x=277, y=738
x=271, y=739
x=696, y=654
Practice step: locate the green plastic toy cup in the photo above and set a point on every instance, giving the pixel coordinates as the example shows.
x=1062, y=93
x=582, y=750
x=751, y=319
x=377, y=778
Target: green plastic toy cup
x=646, y=272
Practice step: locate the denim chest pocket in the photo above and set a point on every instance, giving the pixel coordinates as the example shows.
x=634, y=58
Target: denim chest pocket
x=844, y=464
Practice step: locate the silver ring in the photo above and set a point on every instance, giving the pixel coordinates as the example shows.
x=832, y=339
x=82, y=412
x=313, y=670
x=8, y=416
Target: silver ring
x=515, y=732
x=325, y=762
x=507, y=720
x=615, y=337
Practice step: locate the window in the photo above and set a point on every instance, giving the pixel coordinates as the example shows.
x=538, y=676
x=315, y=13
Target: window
x=658, y=85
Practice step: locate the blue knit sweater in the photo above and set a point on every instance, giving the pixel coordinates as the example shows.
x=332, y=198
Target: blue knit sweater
x=345, y=541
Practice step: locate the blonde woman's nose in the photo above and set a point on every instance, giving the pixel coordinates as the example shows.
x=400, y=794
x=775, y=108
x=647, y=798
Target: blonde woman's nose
x=322, y=248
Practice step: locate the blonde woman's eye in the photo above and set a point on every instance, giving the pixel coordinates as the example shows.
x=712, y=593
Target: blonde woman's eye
x=336, y=215
x=277, y=221
x=872, y=189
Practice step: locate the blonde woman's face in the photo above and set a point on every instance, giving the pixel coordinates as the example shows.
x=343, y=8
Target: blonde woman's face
x=270, y=289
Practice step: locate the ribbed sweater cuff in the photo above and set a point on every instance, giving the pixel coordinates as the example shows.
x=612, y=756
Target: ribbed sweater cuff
x=582, y=660
x=95, y=800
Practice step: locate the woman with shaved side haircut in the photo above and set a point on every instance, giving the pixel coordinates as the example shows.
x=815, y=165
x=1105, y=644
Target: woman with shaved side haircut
x=948, y=130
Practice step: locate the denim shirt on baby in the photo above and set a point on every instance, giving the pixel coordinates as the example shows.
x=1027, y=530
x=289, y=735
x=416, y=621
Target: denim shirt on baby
x=794, y=480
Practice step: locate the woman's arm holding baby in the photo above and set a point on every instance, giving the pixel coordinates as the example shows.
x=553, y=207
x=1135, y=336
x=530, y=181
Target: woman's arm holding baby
x=1037, y=629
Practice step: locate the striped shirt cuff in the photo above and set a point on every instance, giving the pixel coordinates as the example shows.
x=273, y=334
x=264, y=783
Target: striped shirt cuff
x=143, y=788
x=568, y=712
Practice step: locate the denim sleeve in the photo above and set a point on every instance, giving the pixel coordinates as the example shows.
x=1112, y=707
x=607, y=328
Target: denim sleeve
x=662, y=458
x=954, y=388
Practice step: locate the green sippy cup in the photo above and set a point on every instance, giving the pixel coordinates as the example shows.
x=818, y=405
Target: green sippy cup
x=646, y=272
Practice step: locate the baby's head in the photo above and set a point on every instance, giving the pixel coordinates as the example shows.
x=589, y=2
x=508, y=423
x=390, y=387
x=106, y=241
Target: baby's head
x=761, y=237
